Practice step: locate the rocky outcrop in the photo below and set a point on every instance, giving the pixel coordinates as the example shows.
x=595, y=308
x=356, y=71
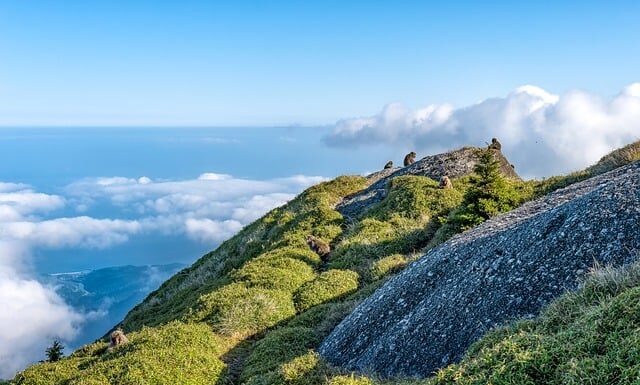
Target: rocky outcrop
x=506, y=269
x=454, y=164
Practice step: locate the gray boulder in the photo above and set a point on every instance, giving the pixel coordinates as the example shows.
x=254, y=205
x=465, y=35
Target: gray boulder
x=506, y=269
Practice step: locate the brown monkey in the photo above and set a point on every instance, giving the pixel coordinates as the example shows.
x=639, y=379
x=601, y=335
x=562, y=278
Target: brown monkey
x=445, y=182
x=117, y=339
x=495, y=145
x=319, y=246
x=409, y=158
x=389, y=164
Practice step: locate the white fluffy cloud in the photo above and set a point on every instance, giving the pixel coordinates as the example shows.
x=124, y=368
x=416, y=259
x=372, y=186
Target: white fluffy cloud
x=541, y=133
x=208, y=230
x=32, y=314
x=208, y=209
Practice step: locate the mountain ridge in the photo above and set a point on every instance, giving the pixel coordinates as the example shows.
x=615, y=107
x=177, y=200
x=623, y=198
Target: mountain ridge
x=507, y=268
x=255, y=310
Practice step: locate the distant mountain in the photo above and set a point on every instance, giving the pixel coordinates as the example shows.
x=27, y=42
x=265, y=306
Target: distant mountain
x=106, y=295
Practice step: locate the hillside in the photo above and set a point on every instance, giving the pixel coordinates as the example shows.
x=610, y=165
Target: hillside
x=255, y=310
x=505, y=269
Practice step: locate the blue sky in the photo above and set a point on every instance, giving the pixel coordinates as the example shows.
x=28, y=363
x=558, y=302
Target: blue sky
x=269, y=63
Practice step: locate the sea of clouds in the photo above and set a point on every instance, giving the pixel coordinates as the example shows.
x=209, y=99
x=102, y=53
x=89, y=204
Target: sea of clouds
x=541, y=133
x=208, y=209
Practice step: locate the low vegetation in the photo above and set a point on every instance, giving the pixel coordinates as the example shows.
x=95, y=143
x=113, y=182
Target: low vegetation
x=254, y=310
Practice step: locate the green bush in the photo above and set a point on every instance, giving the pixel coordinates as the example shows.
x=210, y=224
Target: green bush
x=275, y=272
x=328, y=286
x=307, y=369
x=240, y=311
x=173, y=354
x=387, y=265
x=490, y=194
x=277, y=348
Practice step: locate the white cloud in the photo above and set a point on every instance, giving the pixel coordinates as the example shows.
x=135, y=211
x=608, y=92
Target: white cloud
x=213, y=176
x=209, y=209
x=71, y=232
x=32, y=314
x=17, y=201
x=567, y=132
x=207, y=230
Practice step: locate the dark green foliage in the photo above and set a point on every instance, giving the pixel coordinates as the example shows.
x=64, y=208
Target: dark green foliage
x=490, y=194
x=55, y=352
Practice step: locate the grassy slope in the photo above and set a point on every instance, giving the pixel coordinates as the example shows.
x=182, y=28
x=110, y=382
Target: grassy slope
x=254, y=310
x=263, y=299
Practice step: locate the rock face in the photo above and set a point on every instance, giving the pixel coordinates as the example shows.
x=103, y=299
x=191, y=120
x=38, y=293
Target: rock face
x=453, y=164
x=505, y=269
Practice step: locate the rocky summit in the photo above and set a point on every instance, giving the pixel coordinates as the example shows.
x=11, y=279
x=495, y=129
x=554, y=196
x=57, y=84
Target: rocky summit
x=506, y=269
x=453, y=164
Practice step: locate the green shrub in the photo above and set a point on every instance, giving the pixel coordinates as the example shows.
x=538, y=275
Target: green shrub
x=490, y=194
x=240, y=311
x=173, y=354
x=328, y=286
x=307, y=369
x=277, y=348
x=275, y=272
x=387, y=265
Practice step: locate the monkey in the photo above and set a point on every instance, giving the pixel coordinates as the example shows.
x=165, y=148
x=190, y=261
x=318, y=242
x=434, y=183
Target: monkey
x=409, y=158
x=495, y=145
x=445, y=182
x=319, y=246
x=118, y=338
x=389, y=164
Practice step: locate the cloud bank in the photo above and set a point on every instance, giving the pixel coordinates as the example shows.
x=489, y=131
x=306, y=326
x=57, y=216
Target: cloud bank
x=32, y=314
x=208, y=209
x=541, y=133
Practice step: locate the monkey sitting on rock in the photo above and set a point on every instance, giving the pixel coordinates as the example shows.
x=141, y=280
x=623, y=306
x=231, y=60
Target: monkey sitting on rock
x=389, y=164
x=319, y=246
x=495, y=145
x=118, y=338
x=445, y=182
x=409, y=159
